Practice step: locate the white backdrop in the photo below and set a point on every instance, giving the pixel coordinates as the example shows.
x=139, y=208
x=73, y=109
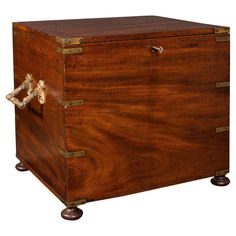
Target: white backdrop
x=28, y=208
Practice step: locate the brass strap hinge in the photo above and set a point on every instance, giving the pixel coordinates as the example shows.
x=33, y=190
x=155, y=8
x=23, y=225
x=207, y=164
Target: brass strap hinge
x=222, y=172
x=222, y=129
x=68, y=51
x=66, y=104
x=222, y=84
x=222, y=34
x=71, y=154
x=69, y=41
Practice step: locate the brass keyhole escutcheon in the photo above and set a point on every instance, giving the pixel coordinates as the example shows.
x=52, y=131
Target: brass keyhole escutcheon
x=158, y=50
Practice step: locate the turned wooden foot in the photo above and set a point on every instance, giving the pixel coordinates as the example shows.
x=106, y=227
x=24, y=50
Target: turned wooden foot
x=220, y=180
x=20, y=167
x=71, y=213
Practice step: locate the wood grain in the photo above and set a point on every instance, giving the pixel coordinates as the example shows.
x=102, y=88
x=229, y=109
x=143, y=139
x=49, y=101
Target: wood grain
x=148, y=120
x=40, y=128
x=117, y=28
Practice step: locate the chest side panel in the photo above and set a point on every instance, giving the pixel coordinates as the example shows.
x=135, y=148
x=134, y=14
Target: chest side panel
x=148, y=119
x=40, y=128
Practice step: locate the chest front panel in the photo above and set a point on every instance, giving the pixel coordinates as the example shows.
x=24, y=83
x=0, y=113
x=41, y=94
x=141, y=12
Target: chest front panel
x=146, y=114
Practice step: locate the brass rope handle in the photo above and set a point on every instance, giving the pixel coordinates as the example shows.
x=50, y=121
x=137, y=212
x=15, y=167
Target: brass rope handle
x=38, y=91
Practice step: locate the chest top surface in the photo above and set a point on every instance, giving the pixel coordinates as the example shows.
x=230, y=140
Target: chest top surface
x=112, y=29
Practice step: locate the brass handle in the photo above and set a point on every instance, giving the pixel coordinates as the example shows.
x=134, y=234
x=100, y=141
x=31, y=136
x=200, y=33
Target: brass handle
x=157, y=49
x=38, y=91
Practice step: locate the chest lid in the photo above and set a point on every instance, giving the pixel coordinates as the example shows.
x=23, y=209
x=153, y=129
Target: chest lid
x=81, y=31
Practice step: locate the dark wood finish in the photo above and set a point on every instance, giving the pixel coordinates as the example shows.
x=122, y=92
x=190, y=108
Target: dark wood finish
x=118, y=28
x=220, y=180
x=149, y=119
x=71, y=213
x=20, y=167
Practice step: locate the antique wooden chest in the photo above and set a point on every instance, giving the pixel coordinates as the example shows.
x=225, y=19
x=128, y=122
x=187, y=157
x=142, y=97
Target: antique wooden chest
x=115, y=106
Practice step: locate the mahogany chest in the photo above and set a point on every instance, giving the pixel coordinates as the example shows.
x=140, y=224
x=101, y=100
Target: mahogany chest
x=115, y=106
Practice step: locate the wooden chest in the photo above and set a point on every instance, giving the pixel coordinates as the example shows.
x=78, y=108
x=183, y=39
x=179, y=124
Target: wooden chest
x=116, y=106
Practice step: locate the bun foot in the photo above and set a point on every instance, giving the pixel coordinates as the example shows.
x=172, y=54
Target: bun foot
x=71, y=213
x=220, y=180
x=20, y=167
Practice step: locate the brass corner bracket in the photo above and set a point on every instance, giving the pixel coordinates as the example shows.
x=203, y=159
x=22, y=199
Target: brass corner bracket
x=222, y=34
x=221, y=30
x=222, y=172
x=69, y=41
x=66, y=104
x=71, y=154
x=75, y=203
